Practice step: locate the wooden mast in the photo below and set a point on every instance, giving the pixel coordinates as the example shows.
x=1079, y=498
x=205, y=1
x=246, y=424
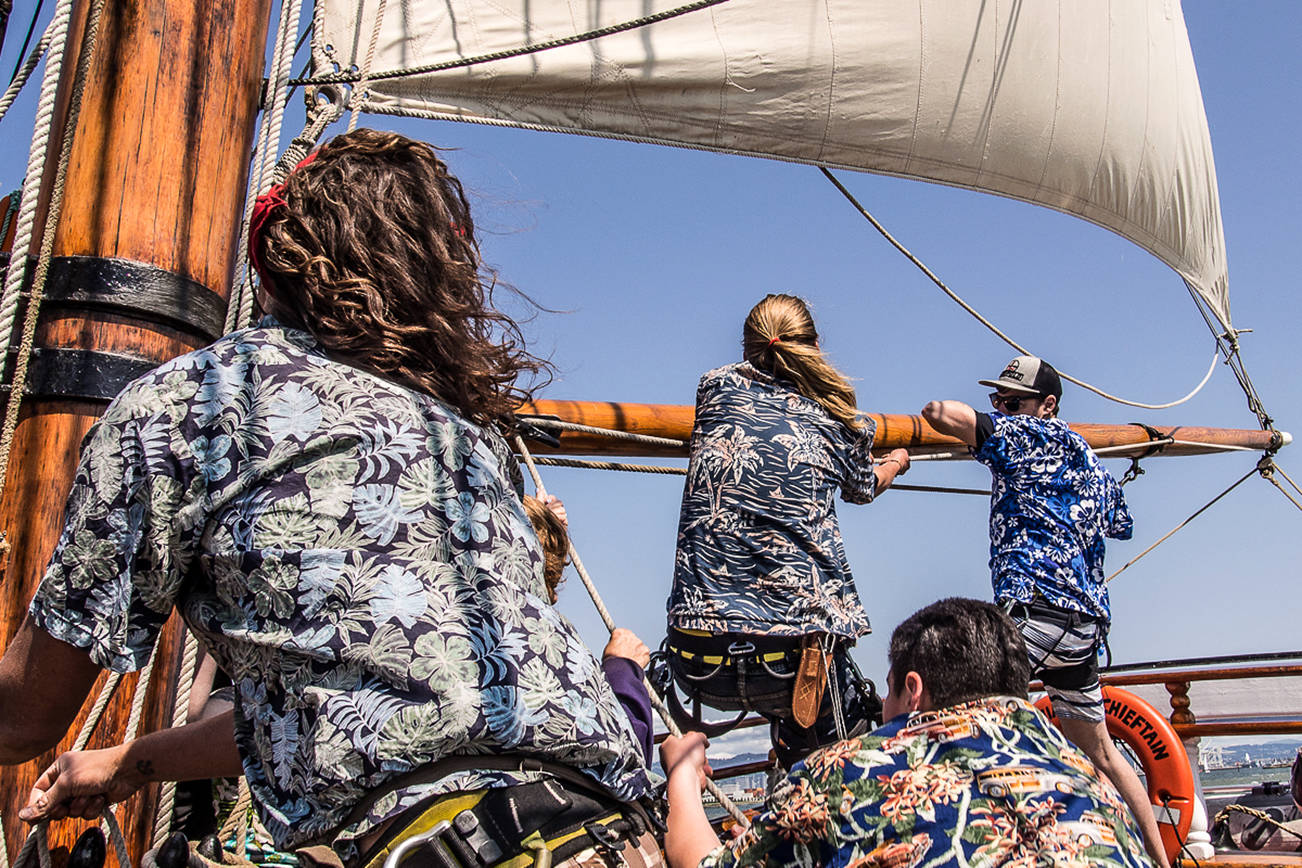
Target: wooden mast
x=143, y=259
x=674, y=421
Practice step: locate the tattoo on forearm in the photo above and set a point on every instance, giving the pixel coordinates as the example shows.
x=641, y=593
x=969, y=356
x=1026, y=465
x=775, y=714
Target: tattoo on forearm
x=145, y=767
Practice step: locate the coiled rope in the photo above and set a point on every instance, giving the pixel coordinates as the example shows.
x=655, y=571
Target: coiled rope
x=991, y=326
x=606, y=619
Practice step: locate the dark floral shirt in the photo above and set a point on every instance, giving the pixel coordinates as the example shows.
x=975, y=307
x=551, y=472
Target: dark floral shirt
x=352, y=554
x=985, y=783
x=1052, y=503
x=759, y=547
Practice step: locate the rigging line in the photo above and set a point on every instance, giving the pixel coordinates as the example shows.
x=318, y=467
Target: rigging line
x=582, y=464
x=19, y=81
x=1171, y=533
x=1228, y=340
x=53, y=210
x=521, y=51
x=613, y=433
x=1281, y=472
x=27, y=40
x=1268, y=469
x=606, y=619
x=991, y=326
x=180, y=713
x=360, y=90
x=239, y=310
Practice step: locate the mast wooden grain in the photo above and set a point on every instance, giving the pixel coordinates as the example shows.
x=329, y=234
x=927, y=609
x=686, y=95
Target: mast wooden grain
x=156, y=178
x=674, y=421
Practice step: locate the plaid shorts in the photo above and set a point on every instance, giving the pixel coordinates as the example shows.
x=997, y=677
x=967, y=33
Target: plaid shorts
x=1063, y=648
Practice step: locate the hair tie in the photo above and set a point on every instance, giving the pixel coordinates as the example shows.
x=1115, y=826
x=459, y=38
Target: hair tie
x=774, y=340
x=263, y=207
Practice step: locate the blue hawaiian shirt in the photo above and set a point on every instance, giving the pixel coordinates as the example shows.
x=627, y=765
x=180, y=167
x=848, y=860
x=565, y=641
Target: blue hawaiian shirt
x=759, y=547
x=352, y=555
x=1052, y=503
x=984, y=783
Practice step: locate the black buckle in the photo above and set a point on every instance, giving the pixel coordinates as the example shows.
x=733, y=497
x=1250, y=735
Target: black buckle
x=741, y=648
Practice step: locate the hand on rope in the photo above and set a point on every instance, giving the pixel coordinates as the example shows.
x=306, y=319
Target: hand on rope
x=81, y=784
x=540, y=492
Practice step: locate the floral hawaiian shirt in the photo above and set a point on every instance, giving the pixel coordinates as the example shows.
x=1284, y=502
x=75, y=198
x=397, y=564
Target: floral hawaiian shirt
x=989, y=782
x=1052, y=503
x=759, y=547
x=352, y=555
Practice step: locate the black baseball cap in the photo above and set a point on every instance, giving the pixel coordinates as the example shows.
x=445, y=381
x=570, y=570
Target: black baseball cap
x=1028, y=375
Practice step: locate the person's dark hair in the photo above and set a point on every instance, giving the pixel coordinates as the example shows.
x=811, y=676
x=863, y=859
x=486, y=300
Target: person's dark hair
x=963, y=649
x=375, y=256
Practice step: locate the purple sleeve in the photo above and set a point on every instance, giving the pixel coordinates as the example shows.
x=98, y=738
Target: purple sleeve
x=625, y=679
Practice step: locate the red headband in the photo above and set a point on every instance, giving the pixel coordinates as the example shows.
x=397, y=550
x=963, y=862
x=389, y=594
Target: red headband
x=263, y=207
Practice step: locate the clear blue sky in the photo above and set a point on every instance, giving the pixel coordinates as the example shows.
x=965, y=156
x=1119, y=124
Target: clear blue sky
x=657, y=254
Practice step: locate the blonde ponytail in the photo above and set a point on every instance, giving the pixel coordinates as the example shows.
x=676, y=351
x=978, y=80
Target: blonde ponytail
x=779, y=337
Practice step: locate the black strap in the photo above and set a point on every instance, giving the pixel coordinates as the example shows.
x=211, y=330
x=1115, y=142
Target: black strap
x=500, y=762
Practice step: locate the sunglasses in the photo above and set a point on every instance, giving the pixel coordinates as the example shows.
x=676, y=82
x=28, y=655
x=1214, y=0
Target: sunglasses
x=1010, y=403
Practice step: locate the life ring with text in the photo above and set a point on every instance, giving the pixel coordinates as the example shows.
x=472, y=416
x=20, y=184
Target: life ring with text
x=1160, y=752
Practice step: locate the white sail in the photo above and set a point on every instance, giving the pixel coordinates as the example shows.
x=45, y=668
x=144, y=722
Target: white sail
x=1092, y=108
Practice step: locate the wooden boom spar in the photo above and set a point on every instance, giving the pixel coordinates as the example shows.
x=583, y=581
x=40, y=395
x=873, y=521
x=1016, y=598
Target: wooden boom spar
x=894, y=430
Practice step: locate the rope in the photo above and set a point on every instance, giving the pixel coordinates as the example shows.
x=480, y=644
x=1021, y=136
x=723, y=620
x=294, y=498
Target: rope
x=588, y=36
x=97, y=710
x=16, y=86
x=991, y=326
x=53, y=210
x=1224, y=813
x=138, y=698
x=57, y=33
x=1171, y=533
x=1268, y=470
x=360, y=91
x=551, y=461
x=109, y=823
x=238, y=816
x=613, y=434
x=36, y=842
x=180, y=712
x=606, y=619
x=239, y=311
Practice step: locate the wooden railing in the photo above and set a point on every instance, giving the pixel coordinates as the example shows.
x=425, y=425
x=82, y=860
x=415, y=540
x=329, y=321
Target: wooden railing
x=1177, y=682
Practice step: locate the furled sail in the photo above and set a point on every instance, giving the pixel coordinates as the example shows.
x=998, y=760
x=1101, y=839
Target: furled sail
x=1090, y=108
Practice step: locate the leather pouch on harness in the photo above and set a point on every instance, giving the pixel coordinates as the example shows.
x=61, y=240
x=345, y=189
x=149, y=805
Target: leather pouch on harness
x=811, y=681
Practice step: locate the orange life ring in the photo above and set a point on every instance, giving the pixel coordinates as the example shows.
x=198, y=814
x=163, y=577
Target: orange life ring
x=1160, y=751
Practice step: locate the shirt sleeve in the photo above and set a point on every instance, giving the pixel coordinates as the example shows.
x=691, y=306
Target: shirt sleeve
x=1118, y=523
x=1009, y=441
x=860, y=484
x=625, y=678
x=792, y=832
x=116, y=572
x=985, y=426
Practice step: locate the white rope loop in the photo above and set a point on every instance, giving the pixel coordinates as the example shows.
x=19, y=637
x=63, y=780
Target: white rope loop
x=16, y=86
x=991, y=326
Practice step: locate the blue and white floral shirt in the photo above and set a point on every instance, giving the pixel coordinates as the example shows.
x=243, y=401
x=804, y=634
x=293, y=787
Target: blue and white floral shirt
x=353, y=556
x=1052, y=503
x=759, y=547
